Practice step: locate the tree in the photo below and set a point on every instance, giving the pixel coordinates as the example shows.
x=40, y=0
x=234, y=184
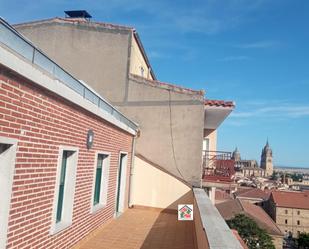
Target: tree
x=253, y=236
x=303, y=240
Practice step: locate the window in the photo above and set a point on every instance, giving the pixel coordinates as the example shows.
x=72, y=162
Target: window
x=142, y=71
x=101, y=175
x=298, y=212
x=8, y=148
x=298, y=222
x=286, y=221
x=64, y=189
x=286, y=211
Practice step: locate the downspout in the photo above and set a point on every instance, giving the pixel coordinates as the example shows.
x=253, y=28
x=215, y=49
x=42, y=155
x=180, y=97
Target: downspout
x=131, y=180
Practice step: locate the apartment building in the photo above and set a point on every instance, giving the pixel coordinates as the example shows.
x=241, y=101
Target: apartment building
x=290, y=210
x=75, y=162
x=175, y=121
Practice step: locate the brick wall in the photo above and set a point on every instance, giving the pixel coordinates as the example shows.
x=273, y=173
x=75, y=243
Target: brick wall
x=42, y=122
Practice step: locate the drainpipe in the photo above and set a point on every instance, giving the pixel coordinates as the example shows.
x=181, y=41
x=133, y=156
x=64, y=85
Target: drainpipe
x=131, y=180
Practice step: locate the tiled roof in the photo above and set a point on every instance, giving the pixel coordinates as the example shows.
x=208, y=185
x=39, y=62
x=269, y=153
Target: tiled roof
x=254, y=193
x=221, y=195
x=231, y=208
x=291, y=199
x=263, y=220
x=219, y=103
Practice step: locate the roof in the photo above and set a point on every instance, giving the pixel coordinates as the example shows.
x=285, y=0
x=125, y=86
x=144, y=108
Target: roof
x=291, y=199
x=252, y=193
x=231, y=208
x=84, y=22
x=221, y=195
x=219, y=103
x=165, y=85
x=261, y=217
x=75, y=21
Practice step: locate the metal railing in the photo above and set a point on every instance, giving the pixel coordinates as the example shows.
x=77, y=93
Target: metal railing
x=218, y=165
x=19, y=44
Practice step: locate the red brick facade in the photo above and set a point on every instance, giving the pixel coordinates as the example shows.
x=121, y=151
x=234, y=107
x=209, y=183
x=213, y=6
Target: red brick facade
x=41, y=122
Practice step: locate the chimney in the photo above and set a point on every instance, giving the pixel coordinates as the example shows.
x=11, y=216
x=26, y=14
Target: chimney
x=78, y=14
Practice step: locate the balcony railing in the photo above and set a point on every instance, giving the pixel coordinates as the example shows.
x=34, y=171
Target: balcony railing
x=218, y=166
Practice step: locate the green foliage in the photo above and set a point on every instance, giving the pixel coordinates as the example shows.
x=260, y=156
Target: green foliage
x=249, y=231
x=296, y=177
x=303, y=240
x=275, y=176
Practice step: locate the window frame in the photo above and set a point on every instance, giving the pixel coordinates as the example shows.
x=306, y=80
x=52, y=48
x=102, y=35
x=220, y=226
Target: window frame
x=69, y=190
x=123, y=183
x=104, y=181
x=9, y=156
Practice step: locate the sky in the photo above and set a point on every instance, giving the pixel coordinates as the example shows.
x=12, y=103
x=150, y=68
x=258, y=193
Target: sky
x=254, y=52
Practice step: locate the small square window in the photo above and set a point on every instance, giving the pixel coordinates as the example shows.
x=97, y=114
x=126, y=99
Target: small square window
x=298, y=222
x=286, y=221
x=286, y=211
x=298, y=212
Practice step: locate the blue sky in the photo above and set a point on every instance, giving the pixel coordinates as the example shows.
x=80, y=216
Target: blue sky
x=254, y=52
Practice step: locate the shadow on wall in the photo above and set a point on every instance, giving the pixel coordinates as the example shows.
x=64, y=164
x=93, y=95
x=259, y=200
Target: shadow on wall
x=167, y=232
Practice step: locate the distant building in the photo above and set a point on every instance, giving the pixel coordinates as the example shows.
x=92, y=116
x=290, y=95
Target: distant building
x=246, y=167
x=230, y=209
x=253, y=195
x=290, y=210
x=251, y=168
x=267, y=160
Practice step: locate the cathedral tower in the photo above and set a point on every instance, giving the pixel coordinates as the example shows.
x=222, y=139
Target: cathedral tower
x=267, y=160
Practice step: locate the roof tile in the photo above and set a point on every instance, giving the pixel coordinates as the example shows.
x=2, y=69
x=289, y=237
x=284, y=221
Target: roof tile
x=291, y=199
x=221, y=103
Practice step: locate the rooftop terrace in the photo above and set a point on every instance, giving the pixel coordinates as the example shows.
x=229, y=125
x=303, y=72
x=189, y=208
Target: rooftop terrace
x=143, y=228
x=152, y=228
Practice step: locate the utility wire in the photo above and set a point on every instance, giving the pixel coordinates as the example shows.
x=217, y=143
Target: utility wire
x=171, y=133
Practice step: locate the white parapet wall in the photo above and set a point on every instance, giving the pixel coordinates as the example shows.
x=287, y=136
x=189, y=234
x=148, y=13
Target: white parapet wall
x=211, y=229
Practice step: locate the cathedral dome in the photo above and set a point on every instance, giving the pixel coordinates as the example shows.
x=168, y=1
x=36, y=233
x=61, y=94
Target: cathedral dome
x=236, y=155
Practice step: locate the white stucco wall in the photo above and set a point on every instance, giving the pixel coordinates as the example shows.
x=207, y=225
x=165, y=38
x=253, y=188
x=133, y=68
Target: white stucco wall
x=155, y=188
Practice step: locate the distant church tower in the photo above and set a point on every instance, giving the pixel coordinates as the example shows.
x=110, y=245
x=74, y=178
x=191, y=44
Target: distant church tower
x=267, y=160
x=236, y=155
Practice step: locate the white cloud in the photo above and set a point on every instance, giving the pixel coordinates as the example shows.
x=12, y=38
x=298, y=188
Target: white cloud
x=260, y=44
x=274, y=111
